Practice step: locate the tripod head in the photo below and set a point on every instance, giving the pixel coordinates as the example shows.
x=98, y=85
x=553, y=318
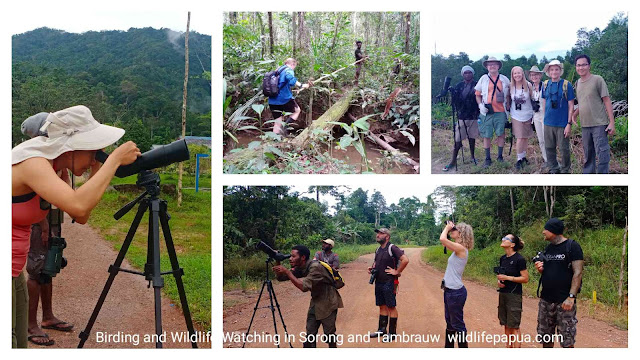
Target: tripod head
x=150, y=181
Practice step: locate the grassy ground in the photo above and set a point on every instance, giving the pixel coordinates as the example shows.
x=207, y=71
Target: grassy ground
x=601, y=248
x=442, y=147
x=191, y=230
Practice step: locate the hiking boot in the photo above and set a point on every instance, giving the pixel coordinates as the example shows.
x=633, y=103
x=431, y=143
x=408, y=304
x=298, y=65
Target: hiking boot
x=525, y=160
x=389, y=337
x=487, y=163
x=500, y=159
x=554, y=171
x=474, y=161
x=449, y=167
x=378, y=333
x=519, y=165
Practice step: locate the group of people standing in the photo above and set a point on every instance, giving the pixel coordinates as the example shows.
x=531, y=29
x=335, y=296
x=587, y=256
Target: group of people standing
x=548, y=107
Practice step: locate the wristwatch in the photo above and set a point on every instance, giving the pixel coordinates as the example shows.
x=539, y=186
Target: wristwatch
x=572, y=296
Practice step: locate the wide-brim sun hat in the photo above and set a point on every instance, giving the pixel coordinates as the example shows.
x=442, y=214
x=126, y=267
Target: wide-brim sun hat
x=70, y=129
x=554, y=62
x=534, y=69
x=492, y=59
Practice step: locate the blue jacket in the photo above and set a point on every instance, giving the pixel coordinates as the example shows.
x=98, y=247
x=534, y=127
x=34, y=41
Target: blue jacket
x=287, y=80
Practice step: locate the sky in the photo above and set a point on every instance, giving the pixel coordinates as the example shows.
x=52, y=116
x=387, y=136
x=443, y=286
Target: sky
x=451, y=36
x=78, y=19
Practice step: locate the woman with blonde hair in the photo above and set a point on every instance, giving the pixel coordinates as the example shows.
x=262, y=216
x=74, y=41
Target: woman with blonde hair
x=521, y=114
x=511, y=274
x=455, y=294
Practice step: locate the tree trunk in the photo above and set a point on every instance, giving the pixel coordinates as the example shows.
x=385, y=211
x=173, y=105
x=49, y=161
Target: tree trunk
x=513, y=210
x=233, y=17
x=407, y=32
x=271, y=39
x=335, y=32
x=293, y=33
x=624, y=249
x=263, y=41
x=378, y=27
x=301, y=32
x=184, y=101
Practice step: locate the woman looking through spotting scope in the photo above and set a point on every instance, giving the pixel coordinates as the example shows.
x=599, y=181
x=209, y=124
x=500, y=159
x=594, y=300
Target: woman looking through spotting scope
x=73, y=138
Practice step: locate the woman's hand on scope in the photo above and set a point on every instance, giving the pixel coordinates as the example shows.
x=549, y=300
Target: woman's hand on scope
x=126, y=153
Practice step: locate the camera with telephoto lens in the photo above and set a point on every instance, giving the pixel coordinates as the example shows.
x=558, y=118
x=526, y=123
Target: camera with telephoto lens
x=535, y=105
x=518, y=106
x=374, y=272
x=499, y=270
x=273, y=254
x=541, y=256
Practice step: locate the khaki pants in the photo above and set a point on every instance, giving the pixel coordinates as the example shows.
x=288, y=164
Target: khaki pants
x=328, y=325
x=19, y=311
x=554, y=137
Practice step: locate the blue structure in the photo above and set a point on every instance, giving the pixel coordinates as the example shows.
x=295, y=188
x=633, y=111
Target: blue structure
x=198, y=156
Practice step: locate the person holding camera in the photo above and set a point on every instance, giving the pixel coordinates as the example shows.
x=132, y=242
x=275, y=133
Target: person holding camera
x=328, y=256
x=535, y=76
x=561, y=265
x=521, y=114
x=511, y=274
x=492, y=97
x=557, y=101
x=388, y=264
x=455, y=294
x=73, y=137
x=325, y=301
x=284, y=101
x=596, y=117
x=464, y=99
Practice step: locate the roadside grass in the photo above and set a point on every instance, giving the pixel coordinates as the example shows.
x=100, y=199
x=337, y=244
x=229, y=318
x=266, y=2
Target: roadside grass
x=602, y=253
x=191, y=231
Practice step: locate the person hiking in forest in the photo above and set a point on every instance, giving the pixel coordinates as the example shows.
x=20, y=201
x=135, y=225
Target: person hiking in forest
x=492, y=96
x=389, y=262
x=284, y=103
x=359, y=56
x=596, y=117
x=535, y=76
x=557, y=101
x=327, y=255
x=521, y=114
x=464, y=99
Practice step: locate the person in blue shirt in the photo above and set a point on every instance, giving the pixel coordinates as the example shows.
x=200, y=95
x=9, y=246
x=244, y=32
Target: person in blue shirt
x=557, y=100
x=285, y=104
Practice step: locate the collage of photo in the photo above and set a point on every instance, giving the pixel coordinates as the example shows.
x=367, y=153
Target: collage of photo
x=140, y=221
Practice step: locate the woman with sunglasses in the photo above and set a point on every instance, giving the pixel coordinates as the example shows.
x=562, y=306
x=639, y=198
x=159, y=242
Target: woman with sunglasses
x=511, y=274
x=455, y=294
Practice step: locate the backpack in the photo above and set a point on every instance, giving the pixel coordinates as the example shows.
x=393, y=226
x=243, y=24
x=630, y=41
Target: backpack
x=569, y=244
x=395, y=264
x=271, y=82
x=565, y=87
x=338, y=281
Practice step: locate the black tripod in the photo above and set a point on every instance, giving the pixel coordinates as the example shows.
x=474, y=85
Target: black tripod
x=158, y=216
x=272, y=300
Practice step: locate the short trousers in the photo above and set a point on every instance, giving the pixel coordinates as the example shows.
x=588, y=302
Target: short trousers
x=522, y=129
x=385, y=294
x=492, y=123
x=278, y=110
x=467, y=129
x=510, y=309
x=552, y=319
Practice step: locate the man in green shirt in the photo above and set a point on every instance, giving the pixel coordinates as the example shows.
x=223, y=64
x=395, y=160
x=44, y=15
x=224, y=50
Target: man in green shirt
x=596, y=117
x=310, y=275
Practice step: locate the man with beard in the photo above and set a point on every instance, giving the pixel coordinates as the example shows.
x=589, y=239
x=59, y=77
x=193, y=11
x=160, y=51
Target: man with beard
x=388, y=264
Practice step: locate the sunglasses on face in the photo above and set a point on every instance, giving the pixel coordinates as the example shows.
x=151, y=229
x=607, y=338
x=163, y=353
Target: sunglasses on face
x=506, y=239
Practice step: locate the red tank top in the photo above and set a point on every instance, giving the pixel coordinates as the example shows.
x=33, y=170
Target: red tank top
x=25, y=210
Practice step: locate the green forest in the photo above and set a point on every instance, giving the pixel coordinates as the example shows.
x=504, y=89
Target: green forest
x=346, y=125
x=131, y=79
x=594, y=216
x=608, y=50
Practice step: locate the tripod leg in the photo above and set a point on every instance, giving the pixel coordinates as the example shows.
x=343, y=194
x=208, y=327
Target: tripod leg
x=113, y=271
x=254, y=312
x=284, y=326
x=177, y=270
x=158, y=281
x=273, y=309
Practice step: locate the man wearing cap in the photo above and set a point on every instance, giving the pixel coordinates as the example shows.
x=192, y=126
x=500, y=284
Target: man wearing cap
x=535, y=76
x=325, y=299
x=561, y=281
x=328, y=256
x=557, y=101
x=464, y=99
x=596, y=117
x=492, y=96
x=389, y=262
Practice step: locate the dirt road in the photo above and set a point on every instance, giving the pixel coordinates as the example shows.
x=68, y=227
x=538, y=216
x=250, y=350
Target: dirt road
x=128, y=309
x=420, y=306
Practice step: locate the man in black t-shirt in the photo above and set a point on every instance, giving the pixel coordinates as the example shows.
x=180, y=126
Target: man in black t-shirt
x=389, y=262
x=561, y=281
x=359, y=56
